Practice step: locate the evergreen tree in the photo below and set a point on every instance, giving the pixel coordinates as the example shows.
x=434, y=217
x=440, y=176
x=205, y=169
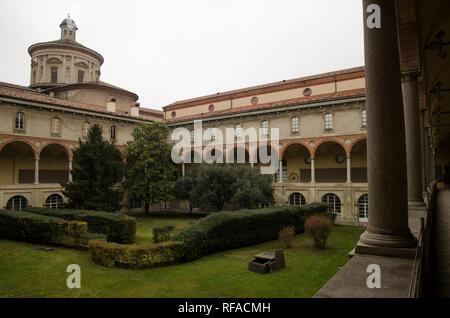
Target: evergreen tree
x=150, y=172
x=95, y=172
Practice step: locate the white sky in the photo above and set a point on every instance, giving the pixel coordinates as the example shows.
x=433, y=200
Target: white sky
x=170, y=50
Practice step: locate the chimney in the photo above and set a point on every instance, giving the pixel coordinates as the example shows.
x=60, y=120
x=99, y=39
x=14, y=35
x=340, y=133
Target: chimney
x=135, y=109
x=111, y=105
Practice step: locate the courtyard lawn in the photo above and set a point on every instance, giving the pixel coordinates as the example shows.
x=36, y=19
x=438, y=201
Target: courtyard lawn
x=25, y=272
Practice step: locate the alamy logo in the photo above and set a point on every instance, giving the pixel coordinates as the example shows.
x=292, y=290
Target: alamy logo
x=374, y=279
x=263, y=146
x=374, y=19
x=74, y=279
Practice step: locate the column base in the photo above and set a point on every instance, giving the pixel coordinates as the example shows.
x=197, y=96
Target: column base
x=403, y=246
x=416, y=203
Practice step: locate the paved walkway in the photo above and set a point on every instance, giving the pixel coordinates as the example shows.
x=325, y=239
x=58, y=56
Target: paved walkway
x=350, y=280
x=442, y=242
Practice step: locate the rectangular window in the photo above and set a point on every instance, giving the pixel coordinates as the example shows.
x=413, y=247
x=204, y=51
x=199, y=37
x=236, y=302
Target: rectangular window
x=80, y=76
x=20, y=120
x=113, y=132
x=213, y=133
x=135, y=204
x=265, y=128
x=192, y=136
x=54, y=74
x=363, y=118
x=328, y=121
x=238, y=131
x=55, y=126
x=294, y=125
x=85, y=128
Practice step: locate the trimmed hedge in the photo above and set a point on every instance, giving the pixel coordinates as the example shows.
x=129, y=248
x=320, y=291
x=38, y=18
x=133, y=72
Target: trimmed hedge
x=36, y=228
x=166, y=233
x=227, y=230
x=136, y=256
x=30, y=227
x=117, y=227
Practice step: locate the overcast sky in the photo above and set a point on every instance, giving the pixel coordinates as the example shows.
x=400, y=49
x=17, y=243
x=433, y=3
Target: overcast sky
x=171, y=50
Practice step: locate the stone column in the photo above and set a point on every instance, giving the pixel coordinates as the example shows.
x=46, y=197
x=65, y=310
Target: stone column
x=423, y=149
x=36, y=170
x=70, y=170
x=313, y=171
x=412, y=134
x=349, y=170
x=386, y=155
x=280, y=172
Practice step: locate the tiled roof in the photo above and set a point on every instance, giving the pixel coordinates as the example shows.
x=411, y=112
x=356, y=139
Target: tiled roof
x=274, y=84
x=300, y=100
x=23, y=93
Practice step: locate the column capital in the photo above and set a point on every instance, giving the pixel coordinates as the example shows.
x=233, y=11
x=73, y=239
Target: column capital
x=410, y=75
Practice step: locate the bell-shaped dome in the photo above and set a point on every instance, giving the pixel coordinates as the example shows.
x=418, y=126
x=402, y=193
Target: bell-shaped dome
x=69, y=23
x=68, y=28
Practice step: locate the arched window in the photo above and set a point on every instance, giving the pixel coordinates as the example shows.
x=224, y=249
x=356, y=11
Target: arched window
x=363, y=208
x=17, y=203
x=54, y=201
x=113, y=132
x=333, y=199
x=297, y=199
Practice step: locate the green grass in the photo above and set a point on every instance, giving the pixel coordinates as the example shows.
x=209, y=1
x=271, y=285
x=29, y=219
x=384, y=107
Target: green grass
x=25, y=272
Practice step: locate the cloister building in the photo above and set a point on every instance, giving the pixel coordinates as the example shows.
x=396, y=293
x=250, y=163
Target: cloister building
x=321, y=121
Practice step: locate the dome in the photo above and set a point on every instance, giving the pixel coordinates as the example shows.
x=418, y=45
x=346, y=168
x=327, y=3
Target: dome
x=69, y=23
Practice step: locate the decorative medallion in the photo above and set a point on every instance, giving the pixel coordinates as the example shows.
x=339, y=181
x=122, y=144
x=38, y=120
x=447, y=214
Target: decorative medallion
x=254, y=100
x=211, y=108
x=307, y=92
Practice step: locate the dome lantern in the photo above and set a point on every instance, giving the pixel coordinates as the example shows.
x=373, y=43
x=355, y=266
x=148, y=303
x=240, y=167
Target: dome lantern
x=68, y=28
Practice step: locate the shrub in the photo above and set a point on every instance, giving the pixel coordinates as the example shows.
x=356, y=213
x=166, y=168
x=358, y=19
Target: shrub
x=162, y=233
x=29, y=227
x=286, y=234
x=227, y=230
x=136, y=256
x=166, y=233
x=77, y=228
x=118, y=227
x=318, y=227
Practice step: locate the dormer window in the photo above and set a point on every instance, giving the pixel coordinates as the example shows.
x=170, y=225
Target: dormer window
x=20, y=121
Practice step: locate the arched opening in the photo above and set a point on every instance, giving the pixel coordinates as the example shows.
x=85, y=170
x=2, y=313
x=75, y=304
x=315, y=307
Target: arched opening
x=330, y=163
x=17, y=163
x=297, y=198
x=363, y=208
x=334, y=201
x=298, y=162
x=17, y=203
x=239, y=155
x=358, y=160
x=53, y=164
x=268, y=157
x=54, y=201
x=213, y=155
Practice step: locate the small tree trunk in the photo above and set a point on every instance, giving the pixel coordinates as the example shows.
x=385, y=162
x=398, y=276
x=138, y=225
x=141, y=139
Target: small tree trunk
x=147, y=208
x=190, y=208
